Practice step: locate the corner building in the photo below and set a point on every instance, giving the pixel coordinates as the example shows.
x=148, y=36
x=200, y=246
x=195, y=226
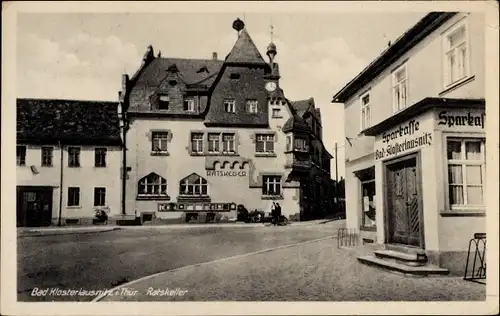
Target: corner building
x=205, y=135
x=415, y=158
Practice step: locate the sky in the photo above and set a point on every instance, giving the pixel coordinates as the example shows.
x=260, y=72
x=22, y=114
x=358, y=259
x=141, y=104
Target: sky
x=83, y=55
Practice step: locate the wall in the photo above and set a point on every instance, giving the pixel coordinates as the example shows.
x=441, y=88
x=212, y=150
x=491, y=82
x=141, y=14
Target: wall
x=425, y=79
x=180, y=163
x=86, y=177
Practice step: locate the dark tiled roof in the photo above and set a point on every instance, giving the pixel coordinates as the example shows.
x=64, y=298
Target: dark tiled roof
x=295, y=124
x=244, y=50
x=199, y=73
x=47, y=121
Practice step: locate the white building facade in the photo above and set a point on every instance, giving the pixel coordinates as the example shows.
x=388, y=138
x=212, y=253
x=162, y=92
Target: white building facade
x=415, y=158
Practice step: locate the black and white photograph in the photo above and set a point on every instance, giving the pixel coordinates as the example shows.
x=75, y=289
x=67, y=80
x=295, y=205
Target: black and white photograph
x=265, y=155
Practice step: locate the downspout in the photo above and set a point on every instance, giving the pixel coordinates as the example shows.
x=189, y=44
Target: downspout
x=124, y=168
x=60, y=184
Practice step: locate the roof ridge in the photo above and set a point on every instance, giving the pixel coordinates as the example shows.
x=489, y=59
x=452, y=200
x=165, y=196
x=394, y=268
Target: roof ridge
x=68, y=100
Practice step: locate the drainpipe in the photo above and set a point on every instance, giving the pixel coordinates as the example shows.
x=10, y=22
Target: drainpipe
x=124, y=170
x=60, y=185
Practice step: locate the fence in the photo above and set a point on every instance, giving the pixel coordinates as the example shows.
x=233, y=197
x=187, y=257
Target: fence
x=347, y=237
x=478, y=246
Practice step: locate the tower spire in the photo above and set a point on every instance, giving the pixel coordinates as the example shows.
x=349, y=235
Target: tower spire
x=271, y=48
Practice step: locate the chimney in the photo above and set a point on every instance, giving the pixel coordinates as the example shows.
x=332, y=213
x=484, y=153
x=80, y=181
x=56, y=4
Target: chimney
x=214, y=55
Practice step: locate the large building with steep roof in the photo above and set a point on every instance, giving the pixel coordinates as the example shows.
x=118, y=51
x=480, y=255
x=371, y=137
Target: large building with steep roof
x=203, y=136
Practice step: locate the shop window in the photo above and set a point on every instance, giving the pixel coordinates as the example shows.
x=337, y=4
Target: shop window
x=100, y=157
x=193, y=185
x=189, y=104
x=99, y=196
x=47, y=155
x=230, y=106
x=466, y=170
x=21, y=155
x=366, y=113
x=367, y=196
x=159, y=142
x=213, y=143
x=228, y=143
x=152, y=185
x=197, y=142
x=271, y=185
x=252, y=106
x=73, y=156
x=264, y=143
x=456, y=55
x=73, y=196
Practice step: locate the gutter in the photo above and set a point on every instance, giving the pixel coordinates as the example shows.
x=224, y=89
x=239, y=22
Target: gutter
x=60, y=184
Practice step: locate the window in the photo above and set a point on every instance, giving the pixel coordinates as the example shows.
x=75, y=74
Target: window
x=197, y=142
x=73, y=196
x=47, y=153
x=74, y=156
x=264, y=143
x=99, y=196
x=100, y=157
x=164, y=102
x=277, y=113
x=289, y=143
x=399, y=88
x=21, y=155
x=159, y=141
x=252, y=106
x=228, y=143
x=189, y=104
x=153, y=185
x=366, y=115
x=466, y=170
x=213, y=143
x=230, y=106
x=193, y=185
x=301, y=145
x=234, y=76
x=271, y=185
x=368, y=203
x=456, y=55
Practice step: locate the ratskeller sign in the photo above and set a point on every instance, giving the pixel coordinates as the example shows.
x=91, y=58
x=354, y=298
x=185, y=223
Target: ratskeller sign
x=403, y=138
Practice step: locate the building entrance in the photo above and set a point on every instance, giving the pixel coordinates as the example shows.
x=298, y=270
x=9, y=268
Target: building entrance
x=34, y=206
x=403, y=193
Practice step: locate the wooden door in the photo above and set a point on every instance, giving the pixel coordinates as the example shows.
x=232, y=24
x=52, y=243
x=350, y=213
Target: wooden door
x=403, y=203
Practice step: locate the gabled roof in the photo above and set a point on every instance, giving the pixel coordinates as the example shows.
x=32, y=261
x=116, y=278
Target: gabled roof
x=48, y=121
x=245, y=51
x=428, y=24
x=295, y=124
x=303, y=106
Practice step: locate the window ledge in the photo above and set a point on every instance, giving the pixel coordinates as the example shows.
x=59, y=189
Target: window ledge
x=153, y=153
x=47, y=166
x=152, y=197
x=457, y=84
x=463, y=213
x=74, y=166
x=272, y=197
x=195, y=153
x=74, y=207
x=221, y=154
x=277, y=116
x=260, y=154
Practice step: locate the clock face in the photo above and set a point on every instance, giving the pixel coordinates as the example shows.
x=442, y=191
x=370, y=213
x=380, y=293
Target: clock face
x=271, y=86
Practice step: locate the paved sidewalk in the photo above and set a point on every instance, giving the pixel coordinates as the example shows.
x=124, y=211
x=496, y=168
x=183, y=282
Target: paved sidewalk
x=314, y=271
x=69, y=230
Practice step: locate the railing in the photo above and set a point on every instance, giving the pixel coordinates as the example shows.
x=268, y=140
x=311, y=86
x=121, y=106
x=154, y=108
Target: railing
x=347, y=237
x=478, y=245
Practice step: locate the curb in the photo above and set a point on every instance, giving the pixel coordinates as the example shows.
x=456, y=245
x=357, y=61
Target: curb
x=66, y=232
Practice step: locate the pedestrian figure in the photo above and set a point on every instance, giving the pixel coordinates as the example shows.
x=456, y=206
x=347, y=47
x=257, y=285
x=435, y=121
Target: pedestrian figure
x=273, y=214
x=278, y=213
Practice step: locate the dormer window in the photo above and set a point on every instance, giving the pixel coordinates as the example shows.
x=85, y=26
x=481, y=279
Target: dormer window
x=172, y=82
x=202, y=69
x=189, y=104
x=234, y=76
x=230, y=106
x=252, y=106
x=164, y=102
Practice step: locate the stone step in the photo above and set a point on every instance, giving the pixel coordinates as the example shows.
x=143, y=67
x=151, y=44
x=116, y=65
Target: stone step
x=425, y=270
x=411, y=259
